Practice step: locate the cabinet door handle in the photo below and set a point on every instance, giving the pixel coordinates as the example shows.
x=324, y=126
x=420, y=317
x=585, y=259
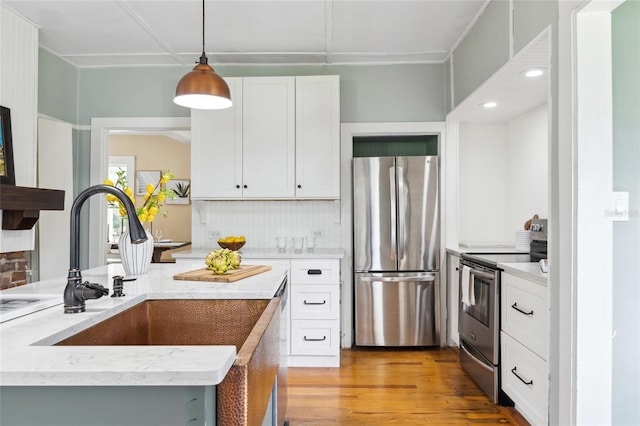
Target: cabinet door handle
x=315, y=303
x=314, y=271
x=299, y=186
x=307, y=339
x=238, y=186
x=244, y=186
x=515, y=306
x=528, y=383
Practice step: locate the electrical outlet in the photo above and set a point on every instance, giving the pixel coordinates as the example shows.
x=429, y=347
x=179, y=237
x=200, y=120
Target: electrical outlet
x=318, y=234
x=213, y=235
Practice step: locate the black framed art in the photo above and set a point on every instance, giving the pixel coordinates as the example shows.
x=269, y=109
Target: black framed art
x=7, y=172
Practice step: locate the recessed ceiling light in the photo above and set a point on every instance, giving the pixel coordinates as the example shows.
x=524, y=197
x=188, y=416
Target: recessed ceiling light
x=490, y=104
x=533, y=73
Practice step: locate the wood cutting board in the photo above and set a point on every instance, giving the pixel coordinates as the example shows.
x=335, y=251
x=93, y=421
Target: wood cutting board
x=230, y=276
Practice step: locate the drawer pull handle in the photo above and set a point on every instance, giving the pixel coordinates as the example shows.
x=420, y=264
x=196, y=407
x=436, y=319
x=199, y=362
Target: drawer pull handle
x=314, y=271
x=306, y=339
x=315, y=303
x=515, y=306
x=528, y=383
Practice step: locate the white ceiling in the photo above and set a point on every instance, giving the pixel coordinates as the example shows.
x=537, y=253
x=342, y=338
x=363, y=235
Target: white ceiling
x=93, y=33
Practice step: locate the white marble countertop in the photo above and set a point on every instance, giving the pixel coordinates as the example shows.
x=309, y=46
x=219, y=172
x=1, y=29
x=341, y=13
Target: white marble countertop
x=27, y=357
x=264, y=253
x=458, y=250
x=529, y=271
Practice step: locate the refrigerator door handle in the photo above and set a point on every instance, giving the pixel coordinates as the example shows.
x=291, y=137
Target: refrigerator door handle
x=393, y=207
x=414, y=278
x=401, y=211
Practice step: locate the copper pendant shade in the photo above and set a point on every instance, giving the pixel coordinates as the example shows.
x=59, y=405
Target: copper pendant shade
x=202, y=88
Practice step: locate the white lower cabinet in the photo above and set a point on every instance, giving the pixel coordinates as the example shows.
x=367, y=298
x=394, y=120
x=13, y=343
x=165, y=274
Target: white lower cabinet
x=315, y=313
x=525, y=380
x=524, y=346
x=315, y=338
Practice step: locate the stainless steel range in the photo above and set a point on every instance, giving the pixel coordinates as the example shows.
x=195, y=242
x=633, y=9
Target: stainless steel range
x=479, y=318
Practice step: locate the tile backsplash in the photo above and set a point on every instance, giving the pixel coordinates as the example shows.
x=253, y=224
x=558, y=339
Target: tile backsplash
x=262, y=221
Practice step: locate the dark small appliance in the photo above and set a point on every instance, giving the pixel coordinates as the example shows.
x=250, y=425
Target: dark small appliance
x=538, y=248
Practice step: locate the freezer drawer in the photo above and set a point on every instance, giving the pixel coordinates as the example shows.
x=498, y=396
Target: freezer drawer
x=397, y=309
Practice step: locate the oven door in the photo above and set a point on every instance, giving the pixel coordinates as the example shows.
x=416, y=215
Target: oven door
x=478, y=322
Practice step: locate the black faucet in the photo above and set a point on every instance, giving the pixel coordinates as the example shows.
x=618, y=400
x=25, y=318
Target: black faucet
x=76, y=291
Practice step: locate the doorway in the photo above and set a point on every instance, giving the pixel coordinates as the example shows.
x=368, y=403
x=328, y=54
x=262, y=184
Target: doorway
x=101, y=130
x=349, y=131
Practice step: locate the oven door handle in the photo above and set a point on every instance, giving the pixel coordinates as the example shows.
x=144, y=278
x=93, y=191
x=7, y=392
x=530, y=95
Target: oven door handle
x=416, y=278
x=481, y=274
x=480, y=363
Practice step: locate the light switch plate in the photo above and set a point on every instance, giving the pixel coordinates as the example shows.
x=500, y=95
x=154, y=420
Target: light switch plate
x=620, y=206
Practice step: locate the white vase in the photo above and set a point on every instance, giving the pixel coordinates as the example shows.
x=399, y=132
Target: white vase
x=136, y=258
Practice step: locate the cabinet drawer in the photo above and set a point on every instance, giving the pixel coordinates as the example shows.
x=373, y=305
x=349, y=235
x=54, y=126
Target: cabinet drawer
x=321, y=271
x=312, y=301
x=525, y=313
x=319, y=337
x=524, y=379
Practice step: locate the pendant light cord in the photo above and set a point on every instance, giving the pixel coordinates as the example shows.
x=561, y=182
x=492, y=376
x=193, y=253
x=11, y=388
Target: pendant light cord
x=203, y=58
x=202, y=26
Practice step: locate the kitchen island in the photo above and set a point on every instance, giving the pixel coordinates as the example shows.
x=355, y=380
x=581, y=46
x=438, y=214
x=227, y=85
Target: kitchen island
x=46, y=384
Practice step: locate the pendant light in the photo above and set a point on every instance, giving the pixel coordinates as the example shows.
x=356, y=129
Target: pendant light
x=202, y=88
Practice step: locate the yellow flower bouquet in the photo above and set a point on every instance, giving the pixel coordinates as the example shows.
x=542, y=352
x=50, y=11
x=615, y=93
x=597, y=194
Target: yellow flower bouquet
x=153, y=199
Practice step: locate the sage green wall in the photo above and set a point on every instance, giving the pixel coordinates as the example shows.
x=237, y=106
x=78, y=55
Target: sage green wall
x=129, y=92
x=530, y=17
x=483, y=51
x=625, y=24
x=368, y=93
x=57, y=87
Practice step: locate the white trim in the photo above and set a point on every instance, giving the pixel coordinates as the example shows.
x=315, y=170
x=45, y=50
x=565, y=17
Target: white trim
x=100, y=128
x=347, y=132
x=73, y=126
x=452, y=90
x=593, y=188
x=511, y=29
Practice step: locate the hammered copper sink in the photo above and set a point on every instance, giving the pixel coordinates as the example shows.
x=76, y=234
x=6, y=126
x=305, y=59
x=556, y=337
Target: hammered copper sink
x=252, y=326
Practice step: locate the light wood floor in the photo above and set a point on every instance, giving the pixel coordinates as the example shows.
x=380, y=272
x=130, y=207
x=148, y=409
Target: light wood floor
x=397, y=386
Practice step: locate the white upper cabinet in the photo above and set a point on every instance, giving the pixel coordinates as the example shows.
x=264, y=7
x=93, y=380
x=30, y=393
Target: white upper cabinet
x=280, y=140
x=318, y=137
x=268, y=138
x=216, y=149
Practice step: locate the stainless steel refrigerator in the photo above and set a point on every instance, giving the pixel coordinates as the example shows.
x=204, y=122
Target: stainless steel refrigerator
x=396, y=244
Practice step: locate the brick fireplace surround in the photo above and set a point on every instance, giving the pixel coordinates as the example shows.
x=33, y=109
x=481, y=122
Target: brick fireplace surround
x=14, y=268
